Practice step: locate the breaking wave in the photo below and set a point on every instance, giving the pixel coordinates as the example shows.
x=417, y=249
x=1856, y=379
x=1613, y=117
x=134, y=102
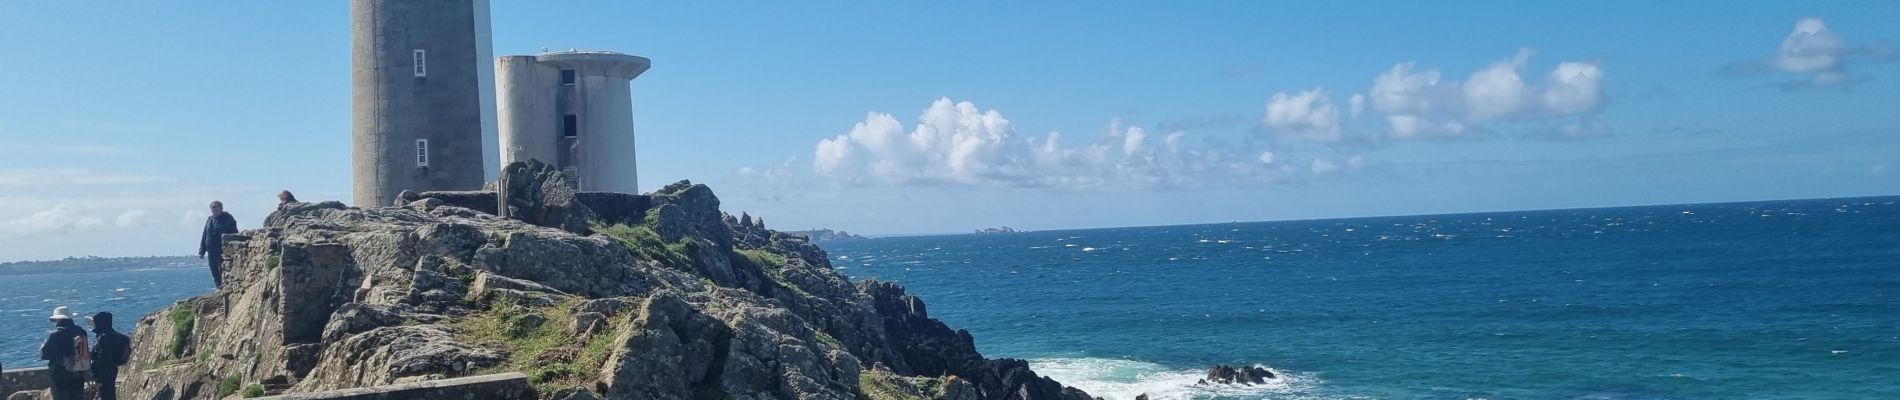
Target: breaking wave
x=1115, y=379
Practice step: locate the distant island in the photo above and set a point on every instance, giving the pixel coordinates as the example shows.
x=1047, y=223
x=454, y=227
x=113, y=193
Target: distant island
x=1000, y=229
x=98, y=264
x=817, y=235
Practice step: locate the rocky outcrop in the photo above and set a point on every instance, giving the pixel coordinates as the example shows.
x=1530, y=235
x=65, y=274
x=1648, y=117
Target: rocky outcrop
x=657, y=296
x=1230, y=375
x=538, y=193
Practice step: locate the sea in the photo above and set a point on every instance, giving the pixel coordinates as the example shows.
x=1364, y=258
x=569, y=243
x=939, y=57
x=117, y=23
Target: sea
x=1762, y=300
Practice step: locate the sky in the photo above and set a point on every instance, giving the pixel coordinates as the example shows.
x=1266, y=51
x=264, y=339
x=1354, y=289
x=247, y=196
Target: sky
x=119, y=121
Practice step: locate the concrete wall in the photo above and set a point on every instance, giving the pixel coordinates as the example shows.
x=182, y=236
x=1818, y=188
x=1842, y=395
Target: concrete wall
x=526, y=108
x=22, y=379
x=392, y=107
x=485, y=79
x=508, y=386
x=532, y=102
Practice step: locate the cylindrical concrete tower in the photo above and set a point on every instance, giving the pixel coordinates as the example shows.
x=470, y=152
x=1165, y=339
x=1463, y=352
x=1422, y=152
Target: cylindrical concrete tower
x=574, y=110
x=417, y=118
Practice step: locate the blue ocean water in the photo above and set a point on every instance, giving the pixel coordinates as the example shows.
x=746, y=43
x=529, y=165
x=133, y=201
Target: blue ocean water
x=26, y=301
x=1782, y=300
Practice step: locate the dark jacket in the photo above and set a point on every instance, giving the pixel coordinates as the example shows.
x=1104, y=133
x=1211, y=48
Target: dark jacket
x=59, y=347
x=112, y=348
x=216, y=227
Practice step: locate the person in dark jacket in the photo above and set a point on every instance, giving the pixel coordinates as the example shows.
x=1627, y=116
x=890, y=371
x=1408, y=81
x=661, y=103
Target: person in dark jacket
x=67, y=385
x=211, y=242
x=110, y=351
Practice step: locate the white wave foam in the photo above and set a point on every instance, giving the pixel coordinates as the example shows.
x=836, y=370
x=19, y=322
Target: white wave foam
x=1114, y=379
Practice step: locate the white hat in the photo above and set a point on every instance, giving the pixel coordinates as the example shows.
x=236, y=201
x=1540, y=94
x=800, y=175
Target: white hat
x=61, y=313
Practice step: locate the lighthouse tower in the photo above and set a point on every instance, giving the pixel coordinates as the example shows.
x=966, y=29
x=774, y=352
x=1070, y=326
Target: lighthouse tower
x=418, y=70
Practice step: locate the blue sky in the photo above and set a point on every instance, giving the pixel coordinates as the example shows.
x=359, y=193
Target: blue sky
x=118, y=121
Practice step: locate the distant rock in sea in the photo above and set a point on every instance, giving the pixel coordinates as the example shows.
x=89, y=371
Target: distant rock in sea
x=656, y=296
x=1230, y=375
x=819, y=235
x=1000, y=229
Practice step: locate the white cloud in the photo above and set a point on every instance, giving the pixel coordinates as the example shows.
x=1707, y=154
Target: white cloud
x=1815, y=54
x=73, y=176
x=958, y=143
x=60, y=218
x=1173, y=141
x=1419, y=103
x=1266, y=157
x=833, y=155
x=1133, y=141
x=1322, y=167
x=130, y=218
x=1810, y=49
x=1307, y=115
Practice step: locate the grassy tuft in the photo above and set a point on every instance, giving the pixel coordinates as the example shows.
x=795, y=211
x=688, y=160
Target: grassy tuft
x=183, y=317
x=228, y=386
x=254, y=390
x=271, y=262
x=877, y=384
x=546, y=351
x=762, y=258
x=647, y=244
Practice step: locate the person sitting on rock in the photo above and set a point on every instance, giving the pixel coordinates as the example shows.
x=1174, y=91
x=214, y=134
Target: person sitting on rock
x=284, y=199
x=211, y=242
x=113, y=350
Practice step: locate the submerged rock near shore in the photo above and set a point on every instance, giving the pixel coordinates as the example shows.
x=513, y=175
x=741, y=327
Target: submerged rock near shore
x=657, y=296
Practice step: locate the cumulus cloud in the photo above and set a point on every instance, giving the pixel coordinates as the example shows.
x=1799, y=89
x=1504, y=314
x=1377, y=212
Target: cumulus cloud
x=130, y=218
x=1815, y=55
x=958, y=143
x=57, y=219
x=1420, y=103
x=1307, y=115
x=1812, y=50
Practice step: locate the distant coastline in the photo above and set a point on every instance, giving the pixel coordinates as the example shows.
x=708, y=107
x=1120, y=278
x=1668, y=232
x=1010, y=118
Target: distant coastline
x=825, y=235
x=98, y=264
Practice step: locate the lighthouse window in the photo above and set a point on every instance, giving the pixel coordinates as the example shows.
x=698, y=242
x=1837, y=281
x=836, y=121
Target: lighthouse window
x=422, y=152
x=567, y=77
x=422, y=63
x=570, y=126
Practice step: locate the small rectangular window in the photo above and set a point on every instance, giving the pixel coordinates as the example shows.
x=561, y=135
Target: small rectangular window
x=422, y=152
x=422, y=63
x=567, y=77
x=570, y=126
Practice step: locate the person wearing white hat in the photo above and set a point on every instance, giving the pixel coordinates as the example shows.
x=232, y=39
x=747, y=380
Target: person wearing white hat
x=61, y=346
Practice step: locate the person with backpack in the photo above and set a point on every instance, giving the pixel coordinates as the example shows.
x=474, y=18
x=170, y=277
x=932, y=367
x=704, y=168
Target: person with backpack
x=113, y=350
x=68, y=355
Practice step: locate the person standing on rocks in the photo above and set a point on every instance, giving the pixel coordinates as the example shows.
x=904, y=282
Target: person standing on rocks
x=57, y=350
x=113, y=350
x=211, y=242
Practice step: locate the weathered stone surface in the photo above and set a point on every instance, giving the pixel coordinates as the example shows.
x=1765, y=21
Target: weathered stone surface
x=505, y=386
x=540, y=194
x=326, y=297
x=17, y=379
